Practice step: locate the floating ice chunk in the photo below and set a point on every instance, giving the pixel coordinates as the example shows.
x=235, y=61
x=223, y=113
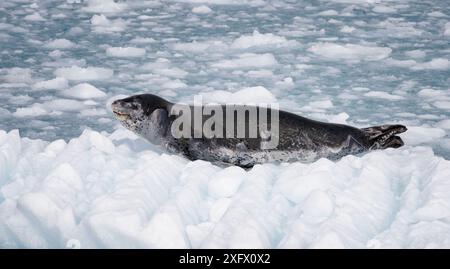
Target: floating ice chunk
x=330, y=12
x=362, y=2
x=248, y=95
x=191, y=47
x=350, y=52
x=55, y=53
x=93, y=112
x=20, y=99
x=257, y=39
x=75, y=30
x=99, y=20
x=383, y=9
x=444, y=124
x=286, y=83
x=401, y=63
x=60, y=44
x=417, y=135
x=226, y=182
x=260, y=73
x=323, y=104
x=203, y=9
x=4, y=111
x=142, y=40
x=442, y=104
x=226, y=2
x=174, y=72
x=160, y=63
x=436, y=14
x=104, y=6
x=174, y=84
x=84, y=91
x=34, y=17
x=347, y=29
x=431, y=93
x=434, y=64
x=340, y=118
x=383, y=95
x=18, y=75
x=247, y=60
x=416, y=54
x=34, y=110
x=59, y=16
x=447, y=29
x=58, y=83
x=125, y=52
x=102, y=24
x=199, y=47
x=63, y=105
x=86, y=74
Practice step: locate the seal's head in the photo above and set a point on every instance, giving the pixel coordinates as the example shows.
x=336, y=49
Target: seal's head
x=144, y=114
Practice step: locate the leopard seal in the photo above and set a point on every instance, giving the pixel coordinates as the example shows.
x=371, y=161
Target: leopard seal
x=298, y=138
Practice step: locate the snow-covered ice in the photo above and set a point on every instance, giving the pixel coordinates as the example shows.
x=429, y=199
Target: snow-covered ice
x=351, y=52
x=60, y=44
x=84, y=91
x=114, y=190
x=201, y=9
x=247, y=60
x=70, y=175
x=84, y=74
x=57, y=83
x=125, y=52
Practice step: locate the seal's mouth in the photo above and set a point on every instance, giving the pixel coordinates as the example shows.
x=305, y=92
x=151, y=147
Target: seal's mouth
x=121, y=115
x=119, y=111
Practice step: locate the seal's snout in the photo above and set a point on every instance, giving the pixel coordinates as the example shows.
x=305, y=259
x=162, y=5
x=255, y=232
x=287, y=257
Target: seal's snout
x=120, y=109
x=117, y=105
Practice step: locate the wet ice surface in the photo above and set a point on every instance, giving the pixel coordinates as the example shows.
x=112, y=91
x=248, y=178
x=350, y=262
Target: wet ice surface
x=358, y=62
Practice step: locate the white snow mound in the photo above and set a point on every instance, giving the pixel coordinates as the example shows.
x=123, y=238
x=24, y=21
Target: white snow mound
x=115, y=190
x=84, y=91
x=124, y=52
x=350, y=52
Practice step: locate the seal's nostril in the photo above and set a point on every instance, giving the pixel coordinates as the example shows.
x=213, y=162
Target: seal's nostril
x=117, y=104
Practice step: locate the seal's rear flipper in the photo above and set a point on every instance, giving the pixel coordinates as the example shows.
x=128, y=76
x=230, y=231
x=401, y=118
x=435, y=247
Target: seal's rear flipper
x=384, y=136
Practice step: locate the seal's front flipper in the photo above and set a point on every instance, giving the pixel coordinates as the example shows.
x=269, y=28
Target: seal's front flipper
x=384, y=136
x=393, y=142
